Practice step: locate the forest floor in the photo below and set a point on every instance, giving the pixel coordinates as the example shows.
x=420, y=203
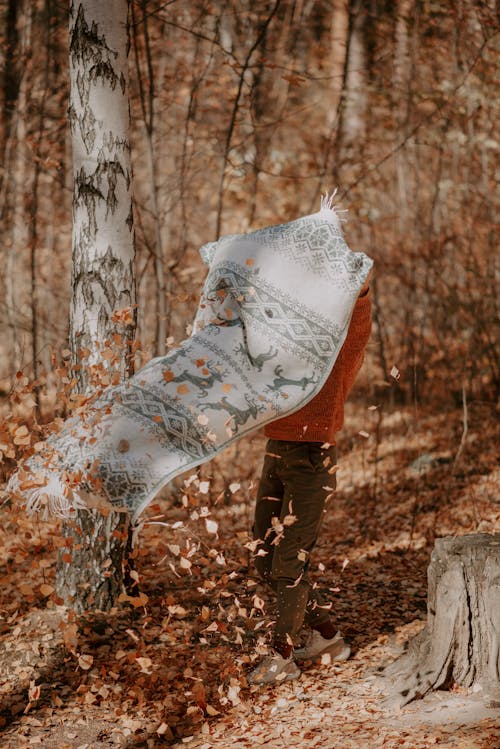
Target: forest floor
x=168, y=667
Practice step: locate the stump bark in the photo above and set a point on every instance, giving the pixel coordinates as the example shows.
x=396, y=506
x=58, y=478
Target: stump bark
x=460, y=643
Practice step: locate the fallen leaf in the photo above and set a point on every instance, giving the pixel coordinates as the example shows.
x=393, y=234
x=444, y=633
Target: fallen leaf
x=34, y=691
x=395, y=373
x=70, y=636
x=145, y=664
x=211, y=526
x=85, y=662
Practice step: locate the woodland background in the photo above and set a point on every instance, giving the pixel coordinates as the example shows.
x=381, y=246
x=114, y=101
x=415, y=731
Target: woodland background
x=243, y=113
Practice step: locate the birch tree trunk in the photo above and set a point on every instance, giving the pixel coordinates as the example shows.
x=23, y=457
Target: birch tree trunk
x=90, y=570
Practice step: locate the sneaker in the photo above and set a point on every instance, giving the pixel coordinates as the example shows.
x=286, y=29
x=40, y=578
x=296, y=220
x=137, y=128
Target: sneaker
x=274, y=669
x=317, y=646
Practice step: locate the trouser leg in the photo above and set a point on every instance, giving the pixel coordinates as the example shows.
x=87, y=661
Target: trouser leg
x=267, y=512
x=290, y=502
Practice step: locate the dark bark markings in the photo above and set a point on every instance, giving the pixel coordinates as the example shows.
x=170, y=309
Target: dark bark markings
x=90, y=52
x=97, y=190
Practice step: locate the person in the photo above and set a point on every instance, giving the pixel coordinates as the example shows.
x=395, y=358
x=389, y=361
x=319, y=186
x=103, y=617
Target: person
x=297, y=476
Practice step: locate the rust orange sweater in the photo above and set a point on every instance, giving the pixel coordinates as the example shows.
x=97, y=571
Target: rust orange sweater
x=323, y=416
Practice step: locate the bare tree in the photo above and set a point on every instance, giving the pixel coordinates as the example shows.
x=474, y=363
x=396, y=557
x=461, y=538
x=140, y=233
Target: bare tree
x=234, y=113
x=91, y=566
x=339, y=36
x=13, y=151
x=352, y=107
x=147, y=99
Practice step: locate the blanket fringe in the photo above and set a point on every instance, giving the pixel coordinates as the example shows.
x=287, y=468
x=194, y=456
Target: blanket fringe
x=327, y=204
x=327, y=200
x=51, y=499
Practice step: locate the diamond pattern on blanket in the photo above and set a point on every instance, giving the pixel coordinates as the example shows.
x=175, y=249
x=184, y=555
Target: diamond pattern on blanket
x=172, y=422
x=284, y=321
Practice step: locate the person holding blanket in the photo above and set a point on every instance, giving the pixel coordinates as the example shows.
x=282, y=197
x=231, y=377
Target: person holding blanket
x=277, y=341
x=297, y=476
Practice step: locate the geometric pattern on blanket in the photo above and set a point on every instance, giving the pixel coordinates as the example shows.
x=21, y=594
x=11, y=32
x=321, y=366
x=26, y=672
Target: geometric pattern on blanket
x=273, y=315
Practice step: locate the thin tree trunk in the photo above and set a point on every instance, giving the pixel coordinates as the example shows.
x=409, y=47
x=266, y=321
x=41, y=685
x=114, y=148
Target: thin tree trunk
x=34, y=203
x=234, y=114
x=336, y=94
x=268, y=95
x=11, y=66
x=402, y=94
x=12, y=198
x=148, y=113
x=352, y=108
x=339, y=34
x=91, y=566
x=13, y=223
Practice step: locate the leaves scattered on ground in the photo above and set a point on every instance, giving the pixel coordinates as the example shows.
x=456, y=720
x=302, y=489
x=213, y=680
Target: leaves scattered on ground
x=168, y=666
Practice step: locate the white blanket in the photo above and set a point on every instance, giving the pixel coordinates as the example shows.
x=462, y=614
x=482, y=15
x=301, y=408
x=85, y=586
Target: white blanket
x=272, y=319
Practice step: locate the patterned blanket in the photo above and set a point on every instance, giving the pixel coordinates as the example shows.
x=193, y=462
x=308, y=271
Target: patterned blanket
x=272, y=318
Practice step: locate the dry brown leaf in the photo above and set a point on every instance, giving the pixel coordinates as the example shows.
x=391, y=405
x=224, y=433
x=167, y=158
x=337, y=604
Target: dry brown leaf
x=85, y=661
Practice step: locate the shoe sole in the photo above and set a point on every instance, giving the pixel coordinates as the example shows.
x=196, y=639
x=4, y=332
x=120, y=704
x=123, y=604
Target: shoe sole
x=338, y=651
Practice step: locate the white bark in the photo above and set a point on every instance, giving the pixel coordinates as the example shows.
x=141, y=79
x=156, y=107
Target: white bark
x=103, y=264
x=103, y=243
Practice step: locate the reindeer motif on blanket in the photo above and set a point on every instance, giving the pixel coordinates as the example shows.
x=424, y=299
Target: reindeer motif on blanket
x=258, y=360
x=280, y=381
x=210, y=374
x=237, y=416
x=172, y=357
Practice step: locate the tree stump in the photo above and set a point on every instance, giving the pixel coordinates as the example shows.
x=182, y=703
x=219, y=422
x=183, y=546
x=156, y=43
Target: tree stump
x=460, y=643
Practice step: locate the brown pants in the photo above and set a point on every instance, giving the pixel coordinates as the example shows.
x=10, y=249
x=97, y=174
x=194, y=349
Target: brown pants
x=290, y=506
